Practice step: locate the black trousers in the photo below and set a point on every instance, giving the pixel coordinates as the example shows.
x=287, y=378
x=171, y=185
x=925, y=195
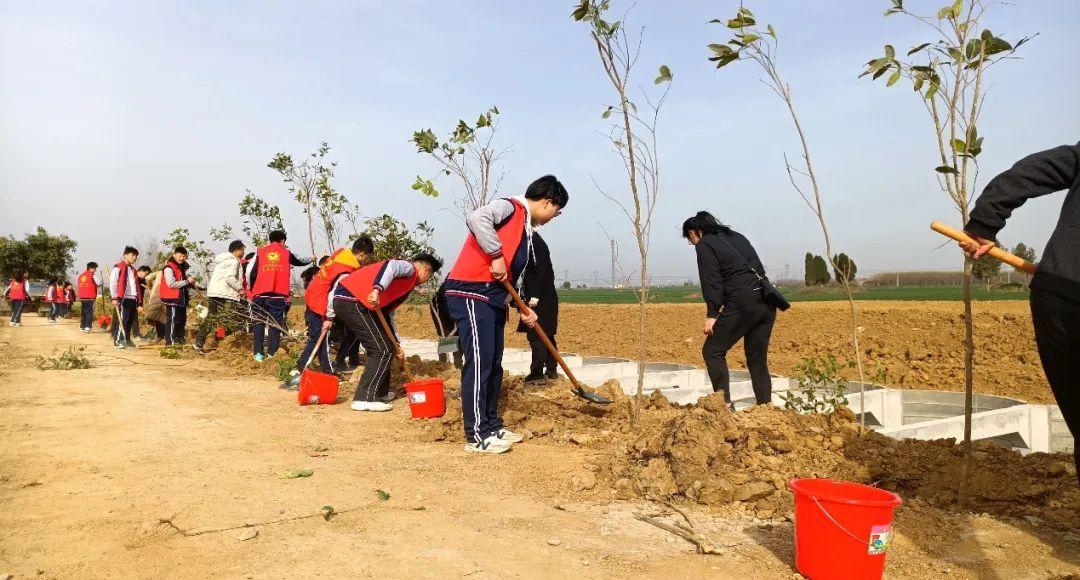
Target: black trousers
x=746, y=317
x=375, y=381
x=1057, y=334
x=87, y=311
x=348, y=349
x=127, y=312
x=542, y=361
x=175, y=324
x=219, y=312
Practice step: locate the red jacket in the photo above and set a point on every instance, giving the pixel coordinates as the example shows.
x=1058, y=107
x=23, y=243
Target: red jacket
x=59, y=295
x=18, y=290
x=474, y=264
x=88, y=288
x=361, y=282
x=318, y=291
x=275, y=270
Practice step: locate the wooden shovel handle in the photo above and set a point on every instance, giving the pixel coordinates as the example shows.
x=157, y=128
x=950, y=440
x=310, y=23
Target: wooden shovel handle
x=995, y=252
x=522, y=308
x=393, y=341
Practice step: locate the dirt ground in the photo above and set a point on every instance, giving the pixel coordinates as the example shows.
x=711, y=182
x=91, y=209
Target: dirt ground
x=102, y=468
x=918, y=344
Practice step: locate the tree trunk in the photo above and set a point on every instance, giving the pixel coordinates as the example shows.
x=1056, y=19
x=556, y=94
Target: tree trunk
x=969, y=390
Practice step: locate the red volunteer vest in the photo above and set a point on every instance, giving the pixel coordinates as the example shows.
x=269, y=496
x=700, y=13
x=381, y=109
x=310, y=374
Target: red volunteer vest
x=18, y=291
x=318, y=291
x=60, y=295
x=474, y=264
x=165, y=291
x=361, y=282
x=274, y=272
x=122, y=280
x=87, y=286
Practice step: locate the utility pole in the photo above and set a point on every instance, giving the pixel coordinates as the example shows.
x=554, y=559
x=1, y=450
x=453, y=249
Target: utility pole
x=566, y=276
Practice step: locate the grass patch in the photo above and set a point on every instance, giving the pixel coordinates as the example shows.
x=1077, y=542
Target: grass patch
x=69, y=360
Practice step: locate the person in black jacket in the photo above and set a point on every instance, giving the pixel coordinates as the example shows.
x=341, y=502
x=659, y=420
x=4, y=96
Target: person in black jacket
x=728, y=267
x=1055, y=287
x=538, y=290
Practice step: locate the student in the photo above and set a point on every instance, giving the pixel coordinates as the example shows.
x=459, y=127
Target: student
x=127, y=296
x=497, y=248
x=223, y=292
x=19, y=293
x=538, y=289
x=175, y=288
x=317, y=297
x=69, y=297
x=1055, y=287
x=270, y=275
x=51, y=300
x=383, y=285
x=735, y=307
x=310, y=272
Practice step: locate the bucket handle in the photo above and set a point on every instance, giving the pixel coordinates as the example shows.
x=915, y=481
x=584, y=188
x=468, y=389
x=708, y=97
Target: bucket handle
x=837, y=524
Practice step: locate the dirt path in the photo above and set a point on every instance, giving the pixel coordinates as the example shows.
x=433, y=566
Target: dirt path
x=93, y=459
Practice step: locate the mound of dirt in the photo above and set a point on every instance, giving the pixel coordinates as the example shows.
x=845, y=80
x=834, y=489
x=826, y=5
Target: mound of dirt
x=234, y=351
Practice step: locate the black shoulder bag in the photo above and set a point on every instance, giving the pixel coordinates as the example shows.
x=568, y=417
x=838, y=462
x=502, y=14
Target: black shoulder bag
x=769, y=293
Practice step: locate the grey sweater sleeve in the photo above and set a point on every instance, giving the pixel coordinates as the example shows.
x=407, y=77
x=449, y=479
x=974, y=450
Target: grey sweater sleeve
x=395, y=269
x=170, y=279
x=482, y=222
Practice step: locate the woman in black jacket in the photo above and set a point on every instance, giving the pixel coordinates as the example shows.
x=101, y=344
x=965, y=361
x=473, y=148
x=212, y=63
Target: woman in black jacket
x=539, y=291
x=729, y=270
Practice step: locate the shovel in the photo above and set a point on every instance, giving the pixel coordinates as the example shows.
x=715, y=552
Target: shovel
x=590, y=396
x=394, y=342
x=996, y=253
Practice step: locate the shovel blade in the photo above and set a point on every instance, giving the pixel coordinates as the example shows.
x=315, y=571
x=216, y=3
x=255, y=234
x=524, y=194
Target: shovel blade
x=592, y=396
x=447, y=345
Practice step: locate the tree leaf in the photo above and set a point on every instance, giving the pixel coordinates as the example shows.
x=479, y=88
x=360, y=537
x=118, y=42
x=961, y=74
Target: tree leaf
x=959, y=145
x=770, y=31
x=893, y=78
x=383, y=496
x=918, y=48
x=880, y=72
x=946, y=169
x=890, y=52
x=664, y=76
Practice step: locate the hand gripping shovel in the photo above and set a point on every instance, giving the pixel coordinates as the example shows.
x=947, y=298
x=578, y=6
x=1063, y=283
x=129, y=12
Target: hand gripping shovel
x=590, y=396
x=996, y=253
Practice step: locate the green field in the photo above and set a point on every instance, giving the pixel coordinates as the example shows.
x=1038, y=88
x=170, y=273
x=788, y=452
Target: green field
x=692, y=294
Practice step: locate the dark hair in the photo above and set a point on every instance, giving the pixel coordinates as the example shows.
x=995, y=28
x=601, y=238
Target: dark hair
x=236, y=245
x=20, y=276
x=249, y=255
x=703, y=222
x=67, y=283
x=144, y=269
x=91, y=265
x=277, y=236
x=363, y=244
x=323, y=260
x=549, y=188
x=130, y=250
x=430, y=259
x=180, y=250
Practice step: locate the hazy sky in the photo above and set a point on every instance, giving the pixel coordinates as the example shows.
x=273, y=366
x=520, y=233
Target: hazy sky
x=122, y=120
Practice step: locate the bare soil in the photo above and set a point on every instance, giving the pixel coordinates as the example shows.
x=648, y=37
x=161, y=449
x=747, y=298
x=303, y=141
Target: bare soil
x=918, y=344
x=147, y=467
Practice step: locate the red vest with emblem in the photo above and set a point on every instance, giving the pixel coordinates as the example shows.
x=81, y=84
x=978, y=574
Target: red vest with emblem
x=275, y=270
x=87, y=286
x=164, y=290
x=61, y=295
x=18, y=290
x=474, y=264
x=318, y=291
x=361, y=282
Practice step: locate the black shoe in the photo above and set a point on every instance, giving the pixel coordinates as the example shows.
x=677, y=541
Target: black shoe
x=552, y=375
x=534, y=378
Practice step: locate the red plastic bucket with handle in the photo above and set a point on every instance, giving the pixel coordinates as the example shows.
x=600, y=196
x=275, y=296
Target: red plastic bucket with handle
x=842, y=529
x=427, y=399
x=317, y=388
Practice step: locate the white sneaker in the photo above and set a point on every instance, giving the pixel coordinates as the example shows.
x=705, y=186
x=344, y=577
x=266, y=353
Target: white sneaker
x=490, y=445
x=86, y=330
x=509, y=436
x=371, y=406
x=387, y=398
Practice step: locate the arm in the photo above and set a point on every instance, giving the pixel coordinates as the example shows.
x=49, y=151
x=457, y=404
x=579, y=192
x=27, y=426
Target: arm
x=1033, y=176
x=394, y=269
x=299, y=261
x=482, y=225
x=712, y=283
x=233, y=279
x=330, y=303
x=253, y=270
x=171, y=281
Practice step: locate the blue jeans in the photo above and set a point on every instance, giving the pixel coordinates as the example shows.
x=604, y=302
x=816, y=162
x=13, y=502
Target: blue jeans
x=480, y=328
x=314, y=329
x=16, y=311
x=269, y=309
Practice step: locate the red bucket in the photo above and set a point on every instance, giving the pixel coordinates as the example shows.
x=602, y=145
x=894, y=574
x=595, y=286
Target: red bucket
x=317, y=388
x=220, y=333
x=842, y=529
x=427, y=400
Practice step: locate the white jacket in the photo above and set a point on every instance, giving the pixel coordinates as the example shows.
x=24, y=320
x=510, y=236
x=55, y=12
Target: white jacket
x=225, y=280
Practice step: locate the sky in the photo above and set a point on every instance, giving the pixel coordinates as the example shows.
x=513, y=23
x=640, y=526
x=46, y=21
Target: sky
x=122, y=120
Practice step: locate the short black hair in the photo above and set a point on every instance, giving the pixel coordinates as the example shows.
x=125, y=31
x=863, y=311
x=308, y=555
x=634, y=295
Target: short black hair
x=144, y=269
x=363, y=244
x=67, y=282
x=90, y=265
x=277, y=236
x=130, y=250
x=548, y=187
x=430, y=259
x=236, y=245
x=249, y=255
x=180, y=250
x=703, y=222
x=323, y=260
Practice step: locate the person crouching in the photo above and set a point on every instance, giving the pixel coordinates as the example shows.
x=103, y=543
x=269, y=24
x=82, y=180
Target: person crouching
x=382, y=286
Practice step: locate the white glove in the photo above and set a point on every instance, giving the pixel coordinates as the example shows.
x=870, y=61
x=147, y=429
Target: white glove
x=533, y=302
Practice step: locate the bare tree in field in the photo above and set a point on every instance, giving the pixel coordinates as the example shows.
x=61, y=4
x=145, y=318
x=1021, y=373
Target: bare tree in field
x=949, y=79
x=750, y=43
x=633, y=138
